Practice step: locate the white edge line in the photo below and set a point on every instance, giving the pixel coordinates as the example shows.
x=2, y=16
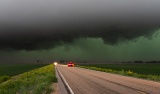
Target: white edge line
x=65, y=82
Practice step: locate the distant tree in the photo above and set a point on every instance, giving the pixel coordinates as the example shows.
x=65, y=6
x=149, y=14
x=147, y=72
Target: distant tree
x=38, y=61
x=62, y=61
x=138, y=61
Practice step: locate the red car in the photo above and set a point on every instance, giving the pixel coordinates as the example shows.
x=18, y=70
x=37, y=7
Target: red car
x=70, y=64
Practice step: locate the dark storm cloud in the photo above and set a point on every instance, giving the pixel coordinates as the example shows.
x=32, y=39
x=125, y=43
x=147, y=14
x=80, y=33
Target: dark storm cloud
x=39, y=24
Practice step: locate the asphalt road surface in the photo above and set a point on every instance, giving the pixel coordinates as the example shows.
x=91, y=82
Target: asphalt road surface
x=84, y=81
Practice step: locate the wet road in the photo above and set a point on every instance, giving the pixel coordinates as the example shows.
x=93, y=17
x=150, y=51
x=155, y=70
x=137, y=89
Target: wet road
x=84, y=81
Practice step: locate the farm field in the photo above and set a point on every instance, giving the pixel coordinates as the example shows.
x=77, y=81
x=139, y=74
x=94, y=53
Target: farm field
x=34, y=81
x=14, y=69
x=146, y=71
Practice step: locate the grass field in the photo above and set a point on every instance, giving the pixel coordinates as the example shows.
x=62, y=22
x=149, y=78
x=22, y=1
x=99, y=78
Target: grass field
x=145, y=71
x=35, y=81
x=150, y=69
x=14, y=69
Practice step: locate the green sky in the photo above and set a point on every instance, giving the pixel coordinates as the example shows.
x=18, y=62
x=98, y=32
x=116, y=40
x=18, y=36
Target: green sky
x=91, y=49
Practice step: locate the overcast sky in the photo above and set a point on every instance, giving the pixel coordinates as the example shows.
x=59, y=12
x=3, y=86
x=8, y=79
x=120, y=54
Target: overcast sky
x=79, y=29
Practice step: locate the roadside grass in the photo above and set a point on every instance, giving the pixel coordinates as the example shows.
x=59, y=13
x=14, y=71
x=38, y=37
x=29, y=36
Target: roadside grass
x=14, y=69
x=144, y=71
x=9, y=70
x=37, y=81
x=4, y=78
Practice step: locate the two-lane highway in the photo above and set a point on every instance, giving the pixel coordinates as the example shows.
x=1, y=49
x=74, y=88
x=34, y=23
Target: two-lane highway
x=84, y=81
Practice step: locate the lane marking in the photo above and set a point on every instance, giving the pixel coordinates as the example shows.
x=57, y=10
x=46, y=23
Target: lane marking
x=65, y=82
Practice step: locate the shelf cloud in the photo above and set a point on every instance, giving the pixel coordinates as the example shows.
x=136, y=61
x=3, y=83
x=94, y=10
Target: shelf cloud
x=39, y=24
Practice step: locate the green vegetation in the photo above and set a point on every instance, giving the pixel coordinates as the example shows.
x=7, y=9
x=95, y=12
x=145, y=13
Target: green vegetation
x=145, y=71
x=37, y=81
x=4, y=78
x=14, y=69
x=9, y=70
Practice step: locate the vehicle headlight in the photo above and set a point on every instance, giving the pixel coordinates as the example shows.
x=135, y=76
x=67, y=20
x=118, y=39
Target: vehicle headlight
x=55, y=63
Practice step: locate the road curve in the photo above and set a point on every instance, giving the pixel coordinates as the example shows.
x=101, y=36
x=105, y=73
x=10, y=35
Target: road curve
x=84, y=81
